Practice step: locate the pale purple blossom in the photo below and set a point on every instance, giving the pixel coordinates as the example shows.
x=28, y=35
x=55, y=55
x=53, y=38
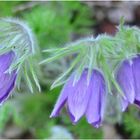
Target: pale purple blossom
x=83, y=98
x=128, y=78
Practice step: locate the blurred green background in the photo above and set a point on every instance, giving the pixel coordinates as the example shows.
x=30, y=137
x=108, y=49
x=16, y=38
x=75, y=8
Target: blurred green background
x=54, y=24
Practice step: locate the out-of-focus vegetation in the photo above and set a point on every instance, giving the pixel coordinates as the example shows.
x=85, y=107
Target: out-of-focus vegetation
x=130, y=125
x=55, y=22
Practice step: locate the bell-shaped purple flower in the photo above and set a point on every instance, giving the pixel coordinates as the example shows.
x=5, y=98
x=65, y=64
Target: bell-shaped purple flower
x=7, y=81
x=83, y=98
x=128, y=78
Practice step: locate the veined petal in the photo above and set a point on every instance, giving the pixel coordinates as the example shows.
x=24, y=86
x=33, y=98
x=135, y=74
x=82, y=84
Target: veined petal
x=125, y=79
x=71, y=116
x=63, y=97
x=78, y=99
x=7, y=86
x=95, y=106
x=136, y=73
x=5, y=61
x=7, y=81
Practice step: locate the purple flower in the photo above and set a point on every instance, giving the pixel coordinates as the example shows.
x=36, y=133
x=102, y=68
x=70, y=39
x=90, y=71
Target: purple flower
x=7, y=81
x=128, y=77
x=83, y=98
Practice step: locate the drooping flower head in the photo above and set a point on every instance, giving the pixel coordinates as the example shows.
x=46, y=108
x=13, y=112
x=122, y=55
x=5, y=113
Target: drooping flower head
x=17, y=49
x=85, y=90
x=83, y=98
x=128, y=77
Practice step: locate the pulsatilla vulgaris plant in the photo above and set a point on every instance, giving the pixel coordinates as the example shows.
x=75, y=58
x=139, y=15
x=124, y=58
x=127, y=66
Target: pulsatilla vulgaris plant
x=17, y=56
x=101, y=66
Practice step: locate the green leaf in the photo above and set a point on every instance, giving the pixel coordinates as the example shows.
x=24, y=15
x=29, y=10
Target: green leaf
x=34, y=75
x=29, y=83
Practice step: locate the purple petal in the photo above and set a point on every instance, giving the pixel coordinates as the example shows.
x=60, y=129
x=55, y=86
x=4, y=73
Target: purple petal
x=136, y=72
x=137, y=102
x=124, y=104
x=97, y=124
x=7, y=80
x=63, y=97
x=96, y=103
x=5, y=61
x=8, y=85
x=78, y=98
x=71, y=116
x=125, y=79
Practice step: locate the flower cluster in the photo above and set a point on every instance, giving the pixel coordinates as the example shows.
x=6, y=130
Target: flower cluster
x=101, y=66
